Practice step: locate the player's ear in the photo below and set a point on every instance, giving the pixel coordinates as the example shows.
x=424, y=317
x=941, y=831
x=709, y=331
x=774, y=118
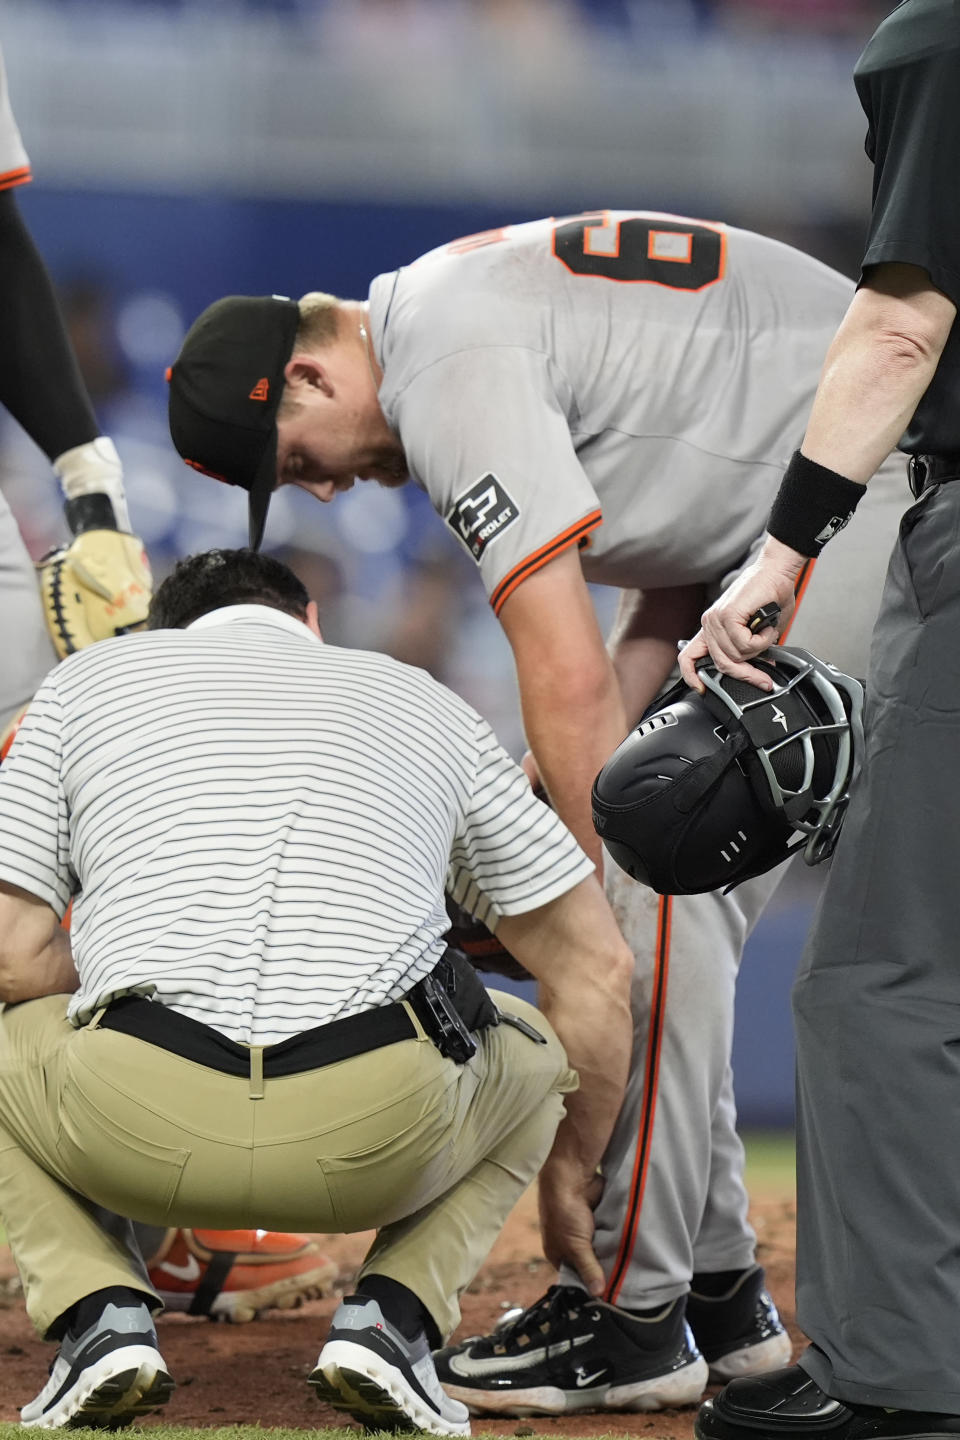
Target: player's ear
x=312, y=621
x=303, y=373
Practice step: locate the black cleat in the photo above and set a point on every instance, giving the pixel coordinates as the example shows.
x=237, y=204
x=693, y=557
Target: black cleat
x=569, y=1352
x=739, y=1332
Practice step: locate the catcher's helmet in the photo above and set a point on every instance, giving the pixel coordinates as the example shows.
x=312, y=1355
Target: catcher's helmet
x=709, y=790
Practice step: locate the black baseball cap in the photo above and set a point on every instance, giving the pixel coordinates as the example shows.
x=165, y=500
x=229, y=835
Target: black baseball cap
x=225, y=389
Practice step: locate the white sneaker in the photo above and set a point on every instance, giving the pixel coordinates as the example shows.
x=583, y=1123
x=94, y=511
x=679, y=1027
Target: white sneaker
x=387, y=1381
x=104, y=1377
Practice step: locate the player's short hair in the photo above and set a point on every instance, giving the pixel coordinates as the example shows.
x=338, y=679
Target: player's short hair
x=319, y=318
x=316, y=329
x=216, y=578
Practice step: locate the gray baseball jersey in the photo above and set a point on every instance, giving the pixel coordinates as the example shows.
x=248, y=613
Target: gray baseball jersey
x=627, y=381
x=14, y=164
x=634, y=383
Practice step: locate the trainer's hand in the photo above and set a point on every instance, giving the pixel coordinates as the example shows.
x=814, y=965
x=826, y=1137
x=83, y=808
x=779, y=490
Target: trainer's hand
x=726, y=635
x=567, y=1202
x=98, y=587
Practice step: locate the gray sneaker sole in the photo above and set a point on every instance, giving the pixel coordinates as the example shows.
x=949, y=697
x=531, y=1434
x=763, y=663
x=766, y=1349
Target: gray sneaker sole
x=353, y=1379
x=108, y=1398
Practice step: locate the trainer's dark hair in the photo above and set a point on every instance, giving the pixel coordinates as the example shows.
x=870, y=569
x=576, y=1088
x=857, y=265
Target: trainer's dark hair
x=209, y=581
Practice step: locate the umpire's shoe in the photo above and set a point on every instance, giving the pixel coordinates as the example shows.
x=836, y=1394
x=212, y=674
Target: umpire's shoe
x=108, y=1371
x=787, y=1403
x=570, y=1352
x=739, y=1332
x=385, y=1380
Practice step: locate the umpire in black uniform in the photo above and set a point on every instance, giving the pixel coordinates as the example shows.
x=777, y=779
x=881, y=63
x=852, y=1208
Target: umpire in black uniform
x=877, y=999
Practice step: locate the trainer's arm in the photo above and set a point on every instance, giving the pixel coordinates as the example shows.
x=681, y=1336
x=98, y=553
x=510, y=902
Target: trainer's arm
x=878, y=366
x=35, y=955
x=572, y=708
x=574, y=949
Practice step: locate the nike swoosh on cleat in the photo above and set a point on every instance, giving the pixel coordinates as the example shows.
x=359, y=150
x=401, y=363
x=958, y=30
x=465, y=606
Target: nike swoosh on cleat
x=587, y=1379
x=188, y=1272
x=498, y=1364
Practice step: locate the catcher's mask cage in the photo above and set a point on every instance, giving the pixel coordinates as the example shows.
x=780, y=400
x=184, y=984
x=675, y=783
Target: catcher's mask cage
x=710, y=790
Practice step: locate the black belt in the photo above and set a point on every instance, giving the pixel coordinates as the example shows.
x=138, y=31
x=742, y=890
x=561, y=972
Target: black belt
x=926, y=470
x=449, y=1003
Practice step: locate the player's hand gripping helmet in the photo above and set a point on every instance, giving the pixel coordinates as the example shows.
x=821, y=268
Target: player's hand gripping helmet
x=709, y=790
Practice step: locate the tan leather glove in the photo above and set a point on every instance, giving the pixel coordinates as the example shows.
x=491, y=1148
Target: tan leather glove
x=96, y=587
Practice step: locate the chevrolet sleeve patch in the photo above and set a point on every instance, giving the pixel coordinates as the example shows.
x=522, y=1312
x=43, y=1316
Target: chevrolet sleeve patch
x=481, y=514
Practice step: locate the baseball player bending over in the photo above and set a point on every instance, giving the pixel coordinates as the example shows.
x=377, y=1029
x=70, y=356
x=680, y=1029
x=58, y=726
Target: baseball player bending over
x=606, y=397
x=266, y=1026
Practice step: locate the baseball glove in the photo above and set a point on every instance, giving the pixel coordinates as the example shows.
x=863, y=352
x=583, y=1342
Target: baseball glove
x=481, y=947
x=95, y=588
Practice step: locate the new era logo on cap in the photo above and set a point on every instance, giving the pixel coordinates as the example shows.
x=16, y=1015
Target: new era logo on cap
x=261, y=391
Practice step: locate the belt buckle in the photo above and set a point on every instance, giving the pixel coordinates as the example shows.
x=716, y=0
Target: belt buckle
x=917, y=475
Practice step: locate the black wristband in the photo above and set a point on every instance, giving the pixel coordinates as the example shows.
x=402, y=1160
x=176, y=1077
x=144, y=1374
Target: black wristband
x=812, y=505
x=90, y=512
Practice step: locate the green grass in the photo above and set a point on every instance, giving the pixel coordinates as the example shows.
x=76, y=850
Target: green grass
x=257, y=1432
x=771, y=1162
x=186, y=1432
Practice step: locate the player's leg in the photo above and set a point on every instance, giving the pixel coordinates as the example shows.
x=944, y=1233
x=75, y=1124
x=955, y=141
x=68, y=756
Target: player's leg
x=30, y=654
x=674, y=1136
x=729, y=1309
x=657, y=1174
x=674, y=1217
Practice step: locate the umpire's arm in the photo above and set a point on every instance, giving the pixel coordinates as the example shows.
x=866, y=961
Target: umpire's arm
x=35, y=955
x=574, y=949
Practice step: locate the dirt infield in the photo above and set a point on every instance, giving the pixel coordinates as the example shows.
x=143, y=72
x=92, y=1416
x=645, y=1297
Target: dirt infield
x=249, y=1374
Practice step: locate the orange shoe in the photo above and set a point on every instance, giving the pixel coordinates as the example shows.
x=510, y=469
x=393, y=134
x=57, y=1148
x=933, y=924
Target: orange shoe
x=234, y=1274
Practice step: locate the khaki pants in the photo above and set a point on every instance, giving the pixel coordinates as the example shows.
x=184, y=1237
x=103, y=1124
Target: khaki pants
x=430, y=1154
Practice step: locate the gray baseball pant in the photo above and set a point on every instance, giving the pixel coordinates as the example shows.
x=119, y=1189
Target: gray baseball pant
x=675, y=1202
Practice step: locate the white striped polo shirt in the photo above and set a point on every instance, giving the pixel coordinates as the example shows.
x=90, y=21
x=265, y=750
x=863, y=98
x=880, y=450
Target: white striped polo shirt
x=259, y=828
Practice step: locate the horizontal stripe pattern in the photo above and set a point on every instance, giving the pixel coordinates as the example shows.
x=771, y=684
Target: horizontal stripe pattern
x=260, y=827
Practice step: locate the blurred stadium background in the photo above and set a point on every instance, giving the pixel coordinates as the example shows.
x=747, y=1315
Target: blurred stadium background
x=185, y=149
